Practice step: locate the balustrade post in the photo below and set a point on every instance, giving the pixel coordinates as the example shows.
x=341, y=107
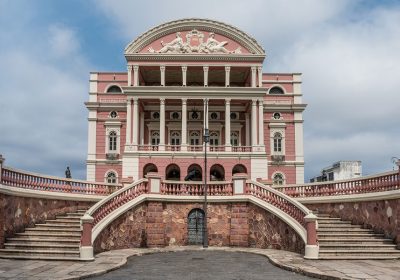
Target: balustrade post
x=86, y=248
x=1, y=167
x=312, y=248
x=239, y=183
x=154, y=182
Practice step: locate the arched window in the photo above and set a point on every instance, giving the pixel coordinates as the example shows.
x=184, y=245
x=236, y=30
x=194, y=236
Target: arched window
x=114, y=89
x=112, y=141
x=111, y=177
x=149, y=168
x=194, y=138
x=276, y=90
x=239, y=168
x=194, y=173
x=277, y=142
x=217, y=173
x=173, y=172
x=214, y=138
x=175, y=138
x=235, y=138
x=155, y=138
x=278, y=179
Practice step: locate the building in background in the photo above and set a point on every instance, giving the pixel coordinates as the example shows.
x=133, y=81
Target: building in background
x=183, y=76
x=341, y=170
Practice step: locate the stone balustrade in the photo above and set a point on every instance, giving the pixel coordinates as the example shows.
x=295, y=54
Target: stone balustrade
x=369, y=184
x=196, y=188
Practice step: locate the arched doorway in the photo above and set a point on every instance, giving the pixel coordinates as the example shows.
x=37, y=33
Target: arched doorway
x=194, y=173
x=173, y=172
x=195, y=226
x=217, y=173
x=149, y=168
x=239, y=168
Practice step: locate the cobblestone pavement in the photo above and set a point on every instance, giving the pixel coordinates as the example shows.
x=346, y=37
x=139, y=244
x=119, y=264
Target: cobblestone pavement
x=200, y=265
x=112, y=260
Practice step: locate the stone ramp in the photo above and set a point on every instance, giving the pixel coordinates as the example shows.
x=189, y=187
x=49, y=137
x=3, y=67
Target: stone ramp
x=57, y=239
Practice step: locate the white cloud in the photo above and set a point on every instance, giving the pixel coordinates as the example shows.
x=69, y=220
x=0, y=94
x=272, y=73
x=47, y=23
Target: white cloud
x=63, y=41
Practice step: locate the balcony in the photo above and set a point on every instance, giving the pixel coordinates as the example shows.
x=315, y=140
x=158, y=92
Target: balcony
x=195, y=148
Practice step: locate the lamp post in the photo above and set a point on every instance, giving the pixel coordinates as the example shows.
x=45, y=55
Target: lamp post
x=206, y=139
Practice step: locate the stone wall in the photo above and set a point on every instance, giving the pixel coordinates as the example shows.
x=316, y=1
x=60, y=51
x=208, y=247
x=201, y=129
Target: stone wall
x=229, y=224
x=17, y=213
x=383, y=216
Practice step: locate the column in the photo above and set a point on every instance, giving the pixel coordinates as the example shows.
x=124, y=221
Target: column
x=228, y=147
x=128, y=122
x=162, y=70
x=259, y=76
x=141, y=133
x=227, y=75
x=247, y=120
x=184, y=125
x=253, y=122
x=260, y=123
x=205, y=71
x=135, y=75
x=253, y=76
x=130, y=67
x=184, y=70
x=135, y=127
x=205, y=119
x=162, y=124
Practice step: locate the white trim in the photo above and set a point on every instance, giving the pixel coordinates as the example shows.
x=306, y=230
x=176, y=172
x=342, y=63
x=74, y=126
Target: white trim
x=113, y=171
x=279, y=86
x=272, y=133
x=283, y=177
x=111, y=85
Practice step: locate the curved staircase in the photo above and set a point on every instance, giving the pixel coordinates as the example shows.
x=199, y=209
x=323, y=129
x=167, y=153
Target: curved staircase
x=340, y=239
x=57, y=239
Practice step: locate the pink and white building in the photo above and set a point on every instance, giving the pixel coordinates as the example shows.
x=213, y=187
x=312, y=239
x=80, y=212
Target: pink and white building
x=183, y=76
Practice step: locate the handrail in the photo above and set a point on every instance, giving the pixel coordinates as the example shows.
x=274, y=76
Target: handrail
x=29, y=180
x=105, y=206
x=368, y=184
x=280, y=200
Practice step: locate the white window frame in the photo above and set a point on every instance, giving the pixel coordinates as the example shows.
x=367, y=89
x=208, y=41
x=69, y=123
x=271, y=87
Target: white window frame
x=107, y=174
x=283, y=143
x=117, y=131
x=153, y=135
x=276, y=174
x=215, y=136
x=174, y=134
x=237, y=133
x=191, y=133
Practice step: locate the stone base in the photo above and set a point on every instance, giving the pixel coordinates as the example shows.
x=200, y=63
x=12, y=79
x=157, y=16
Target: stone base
x=86, y=253
x=311, y=252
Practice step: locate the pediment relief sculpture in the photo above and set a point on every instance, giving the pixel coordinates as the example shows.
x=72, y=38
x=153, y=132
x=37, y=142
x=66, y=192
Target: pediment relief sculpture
x=194, y=44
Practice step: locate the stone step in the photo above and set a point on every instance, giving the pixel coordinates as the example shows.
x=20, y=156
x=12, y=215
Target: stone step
x=32, y=257
x=52, y=230
x=44, y=241
x=355, y=252
x=352, y=246
x=345, y=230
x=328, y=219
x=359, y=257
x=50, y=234
x=67, y=218
x=355, y=241
x=77, y=214
x=34, y=252
x=71, y=226
x=349, y=235
x=62, y=222
x=337, y=226
x=46, y=246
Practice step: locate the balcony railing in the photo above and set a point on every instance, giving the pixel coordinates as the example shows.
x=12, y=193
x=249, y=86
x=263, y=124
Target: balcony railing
x=148, y=148
x=196, y=148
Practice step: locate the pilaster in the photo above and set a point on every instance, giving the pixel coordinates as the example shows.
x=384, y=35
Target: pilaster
x=253, y=76
x=254, y=122
x=162, y=71
x=205, y=71
x=184, y=71
x=228, y=146
x=184, y=125
x=227, y=76
x=162, y=124
x=135, y=75
x=130, y=67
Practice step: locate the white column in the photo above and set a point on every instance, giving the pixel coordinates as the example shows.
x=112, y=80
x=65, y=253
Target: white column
x=205, y=71
x=162, y=124
x=253, y=76
x=141, y=133
x=128, y=122
x=130, y=67
x=162, y=70
x=228, y=147
x=227, y=75
x=135, y=75
x=184, y=125
x=247, y=129
x=205, y=119
x=135, y=127
x=184, y=70
x=254, y=123
x=92, y=135
x=259, y=76
x=260, y=123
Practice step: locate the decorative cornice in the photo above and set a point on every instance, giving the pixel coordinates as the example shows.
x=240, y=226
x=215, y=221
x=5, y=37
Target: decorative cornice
x=188, y=24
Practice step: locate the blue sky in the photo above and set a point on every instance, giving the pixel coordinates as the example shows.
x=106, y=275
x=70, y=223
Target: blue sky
x=347, y=50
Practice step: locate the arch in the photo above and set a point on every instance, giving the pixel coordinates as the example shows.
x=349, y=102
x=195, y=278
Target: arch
x=175, y=26
x=111, y=177
x=239, y=168
x=195, y=222
x=217, y=173
x=113, y=88
x=173, y=172
x=150, y=167
x=277, y=89
x=194, y=173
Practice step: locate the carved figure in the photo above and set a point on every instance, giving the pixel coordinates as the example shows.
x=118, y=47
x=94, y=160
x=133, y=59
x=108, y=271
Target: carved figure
x=175, y=45
x=213, y=45
x=67, y=173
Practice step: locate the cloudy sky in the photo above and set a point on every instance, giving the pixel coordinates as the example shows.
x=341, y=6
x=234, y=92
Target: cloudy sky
x=347, y=50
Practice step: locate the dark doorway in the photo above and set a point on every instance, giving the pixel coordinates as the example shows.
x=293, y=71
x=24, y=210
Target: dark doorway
x=195, y=227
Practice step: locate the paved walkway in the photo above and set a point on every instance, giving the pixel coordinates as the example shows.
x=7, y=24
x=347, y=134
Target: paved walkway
x=40, y=270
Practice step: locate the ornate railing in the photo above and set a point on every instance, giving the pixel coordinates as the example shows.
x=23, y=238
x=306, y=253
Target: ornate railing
x=195, y=148
x=104, y=207
x=148, y=148
x=28, y=180
x=217, y=148
x=241, y=149
x=377, y=183
x=283, y=202
x=196, y=188
x=173, y=148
